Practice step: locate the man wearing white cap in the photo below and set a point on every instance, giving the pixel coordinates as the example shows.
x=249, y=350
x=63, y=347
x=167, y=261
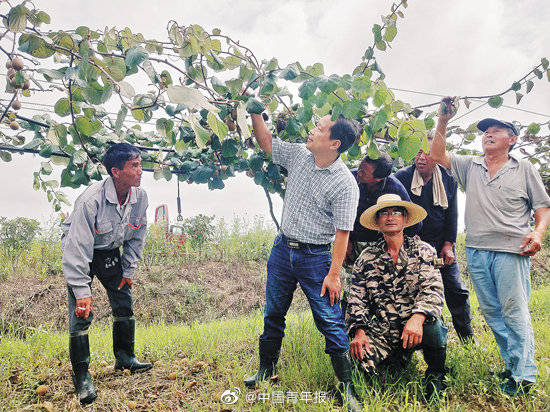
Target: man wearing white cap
x=501, y=193
x=396, y=295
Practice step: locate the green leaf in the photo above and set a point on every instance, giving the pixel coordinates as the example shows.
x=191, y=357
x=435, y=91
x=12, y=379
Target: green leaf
x=369, y=53
x=327, y=84
x=544, y=62
x=62, y=107
x=518, y=97
x=256, y=162
x=292, y=127
x=516, y=86
x=17, y=18
x=241, y=121
x=254, y=106
x=57, y=135
x=529, y=85
x=372, y=150
x=164, y=126
x=361, y=84
x=87, y=127
x=351, y=109
x=429, y=122
x=191, y=98
x=377, y=31
x=307, y=89
x=273, y=172
x=390, y=33
x=79, y=157
x=378, y=121
x=537, y=73
x=495, y=101
x=35, y=46
x=218, y=85
x=229, y=148
x=381, y=45
x=135, y=55
x=290, y=72
x=96, y=94
x=219, y=128
x=180, y=147
x=354, y=151
x=115, y=67
x=533, y=128
x=382, y=96
x=202, y=174
x=201, y=135
x=272, y=64
x=410, y=136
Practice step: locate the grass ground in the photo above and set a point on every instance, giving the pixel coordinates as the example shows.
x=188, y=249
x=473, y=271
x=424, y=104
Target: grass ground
x=199, y=316
x=205, y=360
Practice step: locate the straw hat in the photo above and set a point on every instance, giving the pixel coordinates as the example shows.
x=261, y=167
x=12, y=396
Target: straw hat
x=415, y=213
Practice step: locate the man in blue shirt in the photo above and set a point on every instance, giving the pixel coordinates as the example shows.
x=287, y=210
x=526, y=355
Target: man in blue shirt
x=432, y=187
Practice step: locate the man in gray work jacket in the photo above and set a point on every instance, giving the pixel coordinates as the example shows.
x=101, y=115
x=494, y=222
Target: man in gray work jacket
x=319, y=208
x=109, y=214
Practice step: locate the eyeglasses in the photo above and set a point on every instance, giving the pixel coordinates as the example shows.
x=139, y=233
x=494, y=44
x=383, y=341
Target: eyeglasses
x=390, y=212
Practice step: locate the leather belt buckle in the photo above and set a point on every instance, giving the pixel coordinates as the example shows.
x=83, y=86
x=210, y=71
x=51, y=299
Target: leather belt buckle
x=293, y=244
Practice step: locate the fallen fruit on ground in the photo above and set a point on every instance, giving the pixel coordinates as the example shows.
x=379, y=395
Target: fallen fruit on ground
x=41, y=390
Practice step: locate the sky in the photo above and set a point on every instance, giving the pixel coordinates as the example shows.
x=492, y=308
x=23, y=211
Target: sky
x=443, y=47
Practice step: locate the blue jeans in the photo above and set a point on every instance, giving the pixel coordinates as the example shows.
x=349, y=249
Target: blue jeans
x=308, y=267
x=502, y=284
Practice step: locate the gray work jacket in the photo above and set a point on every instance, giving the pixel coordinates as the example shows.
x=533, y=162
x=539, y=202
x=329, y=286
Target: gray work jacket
x=98, y=222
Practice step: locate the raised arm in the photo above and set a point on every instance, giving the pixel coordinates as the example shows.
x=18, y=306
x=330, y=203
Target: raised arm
x=438, y=149
x=263, y=136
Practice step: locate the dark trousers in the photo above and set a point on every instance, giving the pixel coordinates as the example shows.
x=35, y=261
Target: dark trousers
x=308, y=267
x=457, y=299
x=434, y=342
x=106, y=265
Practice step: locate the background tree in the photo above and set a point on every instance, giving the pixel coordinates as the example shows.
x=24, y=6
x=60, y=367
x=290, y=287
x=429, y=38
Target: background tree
x=203, y=84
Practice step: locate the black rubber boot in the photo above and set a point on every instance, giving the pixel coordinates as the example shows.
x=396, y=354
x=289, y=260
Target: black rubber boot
x=123, y=346
x=435, y=374
x=79, y=351
x=342, y=370
x=269, y=355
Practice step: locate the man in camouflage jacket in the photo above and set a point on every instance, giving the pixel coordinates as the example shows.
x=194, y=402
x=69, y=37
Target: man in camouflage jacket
x=396, y=295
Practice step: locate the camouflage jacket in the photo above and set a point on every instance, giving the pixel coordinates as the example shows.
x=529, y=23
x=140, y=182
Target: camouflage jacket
x=383, y=296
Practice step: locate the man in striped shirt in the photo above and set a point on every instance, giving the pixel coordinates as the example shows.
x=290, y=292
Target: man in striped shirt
x=319, y=208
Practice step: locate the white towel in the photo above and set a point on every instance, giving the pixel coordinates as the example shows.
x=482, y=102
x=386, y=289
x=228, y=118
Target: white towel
x=439, y=194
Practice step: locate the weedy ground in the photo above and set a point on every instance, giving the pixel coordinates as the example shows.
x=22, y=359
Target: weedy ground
x=199, y=314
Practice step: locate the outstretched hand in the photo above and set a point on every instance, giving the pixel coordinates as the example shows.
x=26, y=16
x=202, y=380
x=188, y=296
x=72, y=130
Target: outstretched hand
x=448, y=108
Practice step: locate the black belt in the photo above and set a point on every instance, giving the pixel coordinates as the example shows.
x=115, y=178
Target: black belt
x=294, y=244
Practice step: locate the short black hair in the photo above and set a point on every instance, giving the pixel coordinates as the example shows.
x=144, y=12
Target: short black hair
x=345, y=130
x=118, y=154
x=382, y=165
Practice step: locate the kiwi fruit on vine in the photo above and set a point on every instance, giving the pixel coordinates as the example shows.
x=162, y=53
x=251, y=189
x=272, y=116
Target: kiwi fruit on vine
x=16, y=105
x=17, y=64
x=230, y=124
x=26, y=85
x=234, y=114
x=11, y=72
x=8, y=64
x=14, y=125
